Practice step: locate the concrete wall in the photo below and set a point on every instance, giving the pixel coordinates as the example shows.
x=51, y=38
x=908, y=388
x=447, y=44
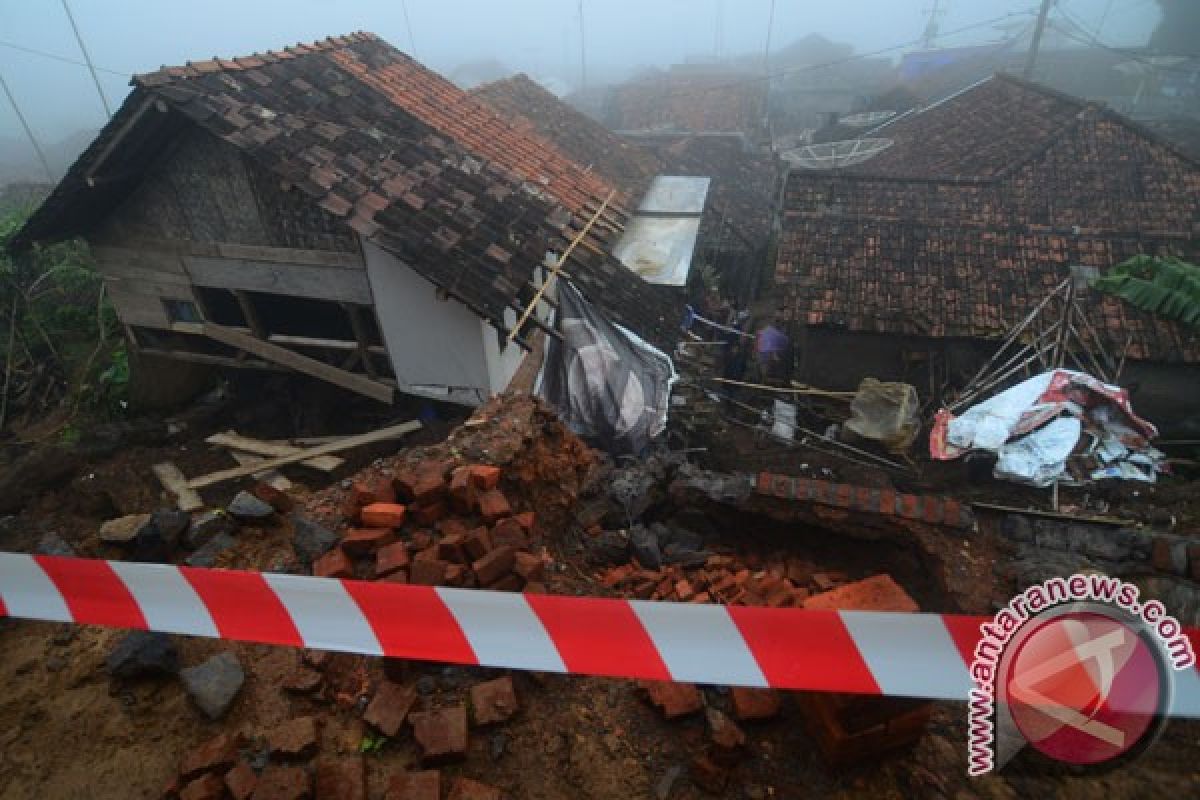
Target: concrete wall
x=439, y=348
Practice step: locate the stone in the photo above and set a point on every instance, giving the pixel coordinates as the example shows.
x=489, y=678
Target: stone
x=51, y=544
x=494, y=565
x=1193, y=558
x=248, y=508
x=341, y=779
x=214, y=684
x=295, y=739
x=206, y=787
x=171, y=523
x=493, y=701
x=709, y=776
x=310, y=539
x=749, y=704
x=662, y=789
x=241, y=781
x=149, y=546
x=673, y=699
x=207, y=555
x=442, y=734
x=419, y=785
x=141, y=654
x=283, y=783
x=467, y=789
x=493, y=505
x=214, y=755
x=333, y=564
x=389, y=708
x=509, y=533
x=382, y=515
x=608, y=547
x=643, y=544
x=727, y=740
x=497, y=745
x=277, y=499
x=122, y=529
x=477, y=544
x=207, y=525
x=1017, y=527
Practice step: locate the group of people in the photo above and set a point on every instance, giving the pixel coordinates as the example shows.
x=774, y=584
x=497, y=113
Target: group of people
x=760, y=357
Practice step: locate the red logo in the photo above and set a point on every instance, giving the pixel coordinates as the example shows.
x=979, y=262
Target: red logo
x=1084, y=687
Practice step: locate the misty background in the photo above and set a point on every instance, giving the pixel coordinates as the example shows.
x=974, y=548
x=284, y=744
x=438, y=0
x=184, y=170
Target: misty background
x=471, y=41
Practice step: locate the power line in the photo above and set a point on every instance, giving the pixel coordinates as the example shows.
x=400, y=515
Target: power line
x=412, y=42
x=28, y=131
x=1092, y=41
x=582, y=50
x=1036, y=44
x=87, y=58
x=56, y=57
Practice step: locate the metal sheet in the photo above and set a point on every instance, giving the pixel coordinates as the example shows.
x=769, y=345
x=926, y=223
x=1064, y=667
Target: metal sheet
x=675, y=194
x=659, y=248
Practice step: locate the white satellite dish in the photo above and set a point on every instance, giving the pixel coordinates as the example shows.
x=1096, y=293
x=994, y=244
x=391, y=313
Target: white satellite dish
x=867, y=119
x=836, y=154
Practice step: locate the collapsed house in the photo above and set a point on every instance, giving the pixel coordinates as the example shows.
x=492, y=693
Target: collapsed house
x=339, y=210
x=962, y=217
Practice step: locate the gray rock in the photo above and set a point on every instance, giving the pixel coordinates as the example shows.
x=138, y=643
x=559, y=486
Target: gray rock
x=171, y=523
x=609, y=547
x=122, y=529
x=54, y=545
x=150, y=545
x=1103, y=543
x=214, y=684
x=311, y=540
x=1017, y=528
x=643, y=542
x=246, y=506
x=143, y=654
x=1050, y=536
x=426, y=685
x=207, y=525
x=206, y=556
x=497, y=745
x=662, y=790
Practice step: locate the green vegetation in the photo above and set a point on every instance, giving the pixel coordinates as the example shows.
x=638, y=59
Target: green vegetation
x=60, y=339
x=1167, y=287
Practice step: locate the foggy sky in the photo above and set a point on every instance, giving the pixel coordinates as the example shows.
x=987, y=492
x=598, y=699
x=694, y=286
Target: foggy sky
x=540, y=37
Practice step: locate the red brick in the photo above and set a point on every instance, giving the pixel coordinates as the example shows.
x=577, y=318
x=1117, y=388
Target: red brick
x=420, y=540
x=389, y=707
x=341, y=779
x=493, y=701
x=240, y=781
x=708, y=775
x=477, y=544
x=294, y=739
x=450, y=548
x=430, y=553
x=283, y=783
x=527, y=520
x=359, y=495
x=399, y=576
x=467, y=789
x=843, y=495
x=391, y=558
x=754, y=703
x=427, y=514
x=910, y=506
x=302, y=680
x=877, y=593
x=277, y=499
x=382, y=515
x=493, y=505
x=462, y=490
x=763, y=482
x=171, y=790
x=529, y=566
x=361, y=541
x=427, y=573
x=442, y=734
x=215, y=755
x=673, y=699
x=333, y=564
x=429, y=488
x=207, y=787
x=485, y=477
x=727, y=742
x=452, y=527
x=952, y=512
x=932, y=510
x=494, y=565
x=420, y=785
x=507, y=583
x=683, y=590
x=1160, y=554
x=404, y=483
x=509, y=533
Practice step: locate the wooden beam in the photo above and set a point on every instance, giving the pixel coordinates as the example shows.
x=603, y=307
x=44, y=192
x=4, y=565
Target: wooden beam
x=303, y=455
x=173, y=480
x=249, y=312
x=272, y=477
x=317, y=282
x=207, y=358
x=301, y=363
x=118, y=137
x=234, y=441
x=361, y=337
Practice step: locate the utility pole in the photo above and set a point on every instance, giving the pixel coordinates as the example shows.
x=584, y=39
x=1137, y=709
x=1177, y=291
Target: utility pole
x=1037, y=39
x=86, y=57
x=582, y=51
x=931, y=30
x=28, y=131
x=767, y=70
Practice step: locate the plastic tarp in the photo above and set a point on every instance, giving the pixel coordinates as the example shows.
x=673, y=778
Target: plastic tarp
x=1024, y=425
x=606, y=383
x=885, y=413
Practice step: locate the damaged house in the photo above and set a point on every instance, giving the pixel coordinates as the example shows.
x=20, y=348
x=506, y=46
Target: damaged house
x=918, y=259
x=339, y=210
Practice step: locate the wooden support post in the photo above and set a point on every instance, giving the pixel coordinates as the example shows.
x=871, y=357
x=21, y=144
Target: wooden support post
x=360, y=336
x=250, y=313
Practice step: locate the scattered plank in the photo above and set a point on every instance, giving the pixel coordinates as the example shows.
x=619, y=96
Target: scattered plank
x=173, y=480
x=303, y=455
x=272, y=477
x=1033, y=512
x=258, y=447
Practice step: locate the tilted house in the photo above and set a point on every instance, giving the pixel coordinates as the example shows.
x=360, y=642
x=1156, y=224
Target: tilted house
x=928, y=252
x=339, y=210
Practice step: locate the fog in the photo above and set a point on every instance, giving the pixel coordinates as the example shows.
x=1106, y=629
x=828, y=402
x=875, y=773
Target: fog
x=472, y=39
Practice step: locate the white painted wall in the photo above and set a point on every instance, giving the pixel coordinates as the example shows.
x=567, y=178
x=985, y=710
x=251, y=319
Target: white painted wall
x=439, y=348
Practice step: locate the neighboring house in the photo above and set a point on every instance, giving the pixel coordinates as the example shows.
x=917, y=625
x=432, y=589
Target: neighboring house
x=735, y=231
x=933, y=249
x=339, y=210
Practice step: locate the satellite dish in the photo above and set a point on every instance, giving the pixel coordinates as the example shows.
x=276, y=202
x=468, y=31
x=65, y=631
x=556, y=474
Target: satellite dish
x=832, y=155
x=867, y=119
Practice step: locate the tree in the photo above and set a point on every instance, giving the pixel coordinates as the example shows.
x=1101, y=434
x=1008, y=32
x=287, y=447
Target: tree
x=1166, y=287
x=1178, y=32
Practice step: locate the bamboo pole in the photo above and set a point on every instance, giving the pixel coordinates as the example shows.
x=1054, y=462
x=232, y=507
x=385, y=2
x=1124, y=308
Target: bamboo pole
x=805, y=390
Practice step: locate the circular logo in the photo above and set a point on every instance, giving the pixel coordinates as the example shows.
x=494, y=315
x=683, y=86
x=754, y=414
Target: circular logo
x=1084, y=687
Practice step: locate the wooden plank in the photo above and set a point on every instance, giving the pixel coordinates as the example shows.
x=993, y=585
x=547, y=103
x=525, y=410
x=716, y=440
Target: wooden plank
x=137, y=309
x=208, y=358
x=271, y=477
x=147, y=258
x=296, y=280
x=289, y=255
x=128, y=273
x=235, y=441
x=151, y=287
x=249, y=313
x=348, y=443
x=173, y=480
x=300, y=363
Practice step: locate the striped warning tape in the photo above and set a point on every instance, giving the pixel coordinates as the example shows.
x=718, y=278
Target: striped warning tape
x=865, y=652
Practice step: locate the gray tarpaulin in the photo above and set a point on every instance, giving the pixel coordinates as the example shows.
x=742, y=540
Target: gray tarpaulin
x=606, y=383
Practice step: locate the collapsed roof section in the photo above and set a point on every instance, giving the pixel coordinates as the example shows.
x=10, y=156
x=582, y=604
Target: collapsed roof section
x=469, y=198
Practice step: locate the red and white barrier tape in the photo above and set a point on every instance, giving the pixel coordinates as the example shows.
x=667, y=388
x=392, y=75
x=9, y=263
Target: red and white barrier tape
x=864, y=652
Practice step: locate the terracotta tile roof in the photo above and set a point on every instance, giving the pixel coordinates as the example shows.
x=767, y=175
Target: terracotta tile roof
x=690, y=100
x=968, y=246
x=467, y=197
